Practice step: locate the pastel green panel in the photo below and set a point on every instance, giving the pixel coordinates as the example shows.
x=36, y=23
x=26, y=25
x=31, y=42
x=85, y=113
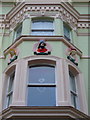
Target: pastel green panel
x=26, y=27
x=83, y=30
x=57, y=49
x=89, y=101
x=74, y=38
x=26, y=49
x=83, y=44
x=84, y=69
x=81, y=7
x=6, y=7
x=82, y=10
x=58, y=23
x=6, y=42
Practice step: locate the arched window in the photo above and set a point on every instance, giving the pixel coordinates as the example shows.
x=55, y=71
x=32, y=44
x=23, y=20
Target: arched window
x=42, y=27
x=74, y=86
x=41, y=85
x=8, y=86
x=73, y=90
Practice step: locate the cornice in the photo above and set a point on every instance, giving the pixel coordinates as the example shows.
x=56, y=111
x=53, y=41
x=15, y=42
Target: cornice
x=63, y=11
x=40, y=112
x=36, y=38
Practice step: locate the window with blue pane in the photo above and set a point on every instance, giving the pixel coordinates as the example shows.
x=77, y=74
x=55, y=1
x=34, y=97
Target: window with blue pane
x=18, y=31
x=73, y=89
x=10, y=89
x=41, y=86
x=67, y=32
x=42, y=27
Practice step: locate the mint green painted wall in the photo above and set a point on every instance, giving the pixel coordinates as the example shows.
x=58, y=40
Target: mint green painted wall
x=6, y=7
x=58, y=48
x=83, y=44
x=81, y=7
x=58, y=24
x=26, y=27
x=26, y=48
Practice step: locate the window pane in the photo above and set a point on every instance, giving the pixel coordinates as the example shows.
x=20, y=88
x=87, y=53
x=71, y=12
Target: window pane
x=18, y=31
x=11, y=82
x=72, y=82
x=9, y=99
x=41, y=96
x=66, y=32
x=42, y=74
x=73, y=99
x=42, y=25
x=42, y=32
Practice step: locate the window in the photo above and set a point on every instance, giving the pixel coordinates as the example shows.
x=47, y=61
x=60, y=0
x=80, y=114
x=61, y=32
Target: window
x=18, y=31
x=41, y=86
x=67, y=32
x=10, y=88
x=73, y=89
x=42, y=27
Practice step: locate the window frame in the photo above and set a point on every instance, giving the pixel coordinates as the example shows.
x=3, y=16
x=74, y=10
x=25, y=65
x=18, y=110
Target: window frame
x=41, y=29
x=16, y=29
x=9, y=93
x=72, y=92
x=42, y=85
x=66, y=26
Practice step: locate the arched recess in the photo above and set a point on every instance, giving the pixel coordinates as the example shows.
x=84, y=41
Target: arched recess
x=43, y=63
x=8, y=85
x=76, y=88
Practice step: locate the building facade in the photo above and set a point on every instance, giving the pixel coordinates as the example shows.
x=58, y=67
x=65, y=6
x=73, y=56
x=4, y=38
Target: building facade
x=44, y=60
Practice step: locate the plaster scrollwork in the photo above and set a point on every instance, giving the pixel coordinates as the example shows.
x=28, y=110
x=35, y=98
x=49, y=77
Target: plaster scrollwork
x=43, y=11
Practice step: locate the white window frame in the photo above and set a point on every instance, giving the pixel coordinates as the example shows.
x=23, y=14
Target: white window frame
x=8, y=94
x=41, y=29
x=72, y=92
x=43, y=85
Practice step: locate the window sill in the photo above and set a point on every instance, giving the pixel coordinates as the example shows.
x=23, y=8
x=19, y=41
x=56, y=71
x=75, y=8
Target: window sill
x=40, y=112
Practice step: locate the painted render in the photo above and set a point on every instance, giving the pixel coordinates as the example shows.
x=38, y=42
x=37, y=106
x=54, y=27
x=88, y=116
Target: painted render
x=79, y=39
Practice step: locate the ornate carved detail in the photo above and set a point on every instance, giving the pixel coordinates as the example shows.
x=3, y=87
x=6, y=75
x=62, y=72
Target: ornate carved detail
x=61, y=13
x=83, y=25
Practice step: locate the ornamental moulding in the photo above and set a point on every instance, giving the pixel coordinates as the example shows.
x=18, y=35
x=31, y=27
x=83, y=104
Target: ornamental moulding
x=59, y=11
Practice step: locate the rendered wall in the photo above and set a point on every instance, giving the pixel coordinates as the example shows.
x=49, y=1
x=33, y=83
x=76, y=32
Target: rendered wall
x=58, y=48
